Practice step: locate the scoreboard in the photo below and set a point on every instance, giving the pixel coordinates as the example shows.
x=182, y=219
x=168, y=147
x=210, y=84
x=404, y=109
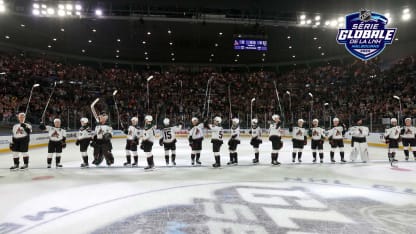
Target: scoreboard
x=246, y=44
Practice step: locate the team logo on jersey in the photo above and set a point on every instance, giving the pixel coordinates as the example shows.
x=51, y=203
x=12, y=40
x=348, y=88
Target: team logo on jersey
x=365, y=34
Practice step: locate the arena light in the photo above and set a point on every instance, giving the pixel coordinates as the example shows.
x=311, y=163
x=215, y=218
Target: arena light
x=51, y=11
x=308, y=21
x=36, y=6
x=389, y=18
x=334, y=23
x=61, y=13
x=290, y=47
x=98, y=12
x=302, y=22
x=169, y=32
x=302, y=17
x=327, y=23
x=69, y=7
x=2, y=8
x=406, y=11
x=406, y=17
x=78, y=7
x=317, y=18
x=61, y=7
x=317, y=23
x=36, y=12
x=341, y=19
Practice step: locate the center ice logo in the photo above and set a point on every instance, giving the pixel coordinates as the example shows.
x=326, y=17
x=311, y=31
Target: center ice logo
x=365, y=35
x=261, y=210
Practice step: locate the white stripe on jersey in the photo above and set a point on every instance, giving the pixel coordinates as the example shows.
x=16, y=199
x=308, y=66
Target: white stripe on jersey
x=84, y=133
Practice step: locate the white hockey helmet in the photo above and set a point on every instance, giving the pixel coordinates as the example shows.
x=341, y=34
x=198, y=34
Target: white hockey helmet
x=194, y=119
x=315, y=121
x=301, y=121
x=335, y=120
x=274, y=117
x=148, y=118
x=254, y=121
x=134, y=120
x=84, y=120
x=166, y=121
x=235, y=121
x=56, y=120
x=218, y=119
x=393, y=120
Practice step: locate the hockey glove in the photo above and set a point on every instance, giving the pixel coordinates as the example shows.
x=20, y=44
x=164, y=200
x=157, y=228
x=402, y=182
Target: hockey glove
x=11, y=145
x=63, y=145
x=161, y=141
x=77, y=142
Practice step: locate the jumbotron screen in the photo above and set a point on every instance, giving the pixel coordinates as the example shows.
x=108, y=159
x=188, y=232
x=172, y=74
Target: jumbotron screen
x=247, y=44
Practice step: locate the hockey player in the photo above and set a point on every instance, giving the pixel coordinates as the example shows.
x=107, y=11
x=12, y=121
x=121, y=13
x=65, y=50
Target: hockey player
x=255, y=139
x=83, y=140
x=408, y=133
x=275, y=136
x=336, y=139
x=216, y=139
x=392, y=136
x=359, y=145
x=195, y=140
x=234, y=141
x=132, y=141
x=148, y=137
x=20, y=142
x=299, y=140
x=57, y=138
x=317, y=143
x=102, y=141
x=168, y=140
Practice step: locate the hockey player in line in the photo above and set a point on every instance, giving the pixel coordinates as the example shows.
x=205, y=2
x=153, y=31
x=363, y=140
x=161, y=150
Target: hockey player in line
x=255, y=139
x=216, y=139
x=102, y=141
x=299, y=140
x=317, y=143
x=168, y=140
x=20, y=142
x=392, y=136
x=408, y=134
x=359, y=145
x=148, y=137
x=275, y=136
x=336, y=140
x=195, y=140
x=83, y=140
x=57, y=138
x=133, y=134
x=234, y=141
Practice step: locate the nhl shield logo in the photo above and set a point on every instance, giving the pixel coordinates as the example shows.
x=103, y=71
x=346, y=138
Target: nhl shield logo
x=365, y=34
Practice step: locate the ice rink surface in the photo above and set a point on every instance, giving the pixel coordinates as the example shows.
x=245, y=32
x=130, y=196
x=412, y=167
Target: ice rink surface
x=290, y=198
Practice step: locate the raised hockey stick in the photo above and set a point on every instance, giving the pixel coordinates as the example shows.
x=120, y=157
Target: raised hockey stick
x=94, y=112
x=206, y=95
x=30, y=97
x=229, y=100
x=47, y=103
x=278, y=98
x=118, y=113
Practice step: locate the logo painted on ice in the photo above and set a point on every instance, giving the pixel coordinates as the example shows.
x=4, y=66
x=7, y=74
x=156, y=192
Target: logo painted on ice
x=365, y=35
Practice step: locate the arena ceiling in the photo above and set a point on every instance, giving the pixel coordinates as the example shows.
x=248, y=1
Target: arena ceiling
x=190, y=31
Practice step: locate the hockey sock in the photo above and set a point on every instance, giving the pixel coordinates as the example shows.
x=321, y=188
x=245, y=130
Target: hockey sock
x=151, y=161
x=406, y=153
x=342, y=155
x=235, y=158
x=193, y=157
x=276, y=156
x=299, y=155
x=136, y=159
x=293, y=155
x=198, y=155
x=321, y=155
x=256, y=156
x=231, y=157
x=173, y=157
x=217, y=160
x=314, y=155
x=49, y=160
x=16, y=161
x=26, y=160
x=85, y=159
x=414, y=154
x=332, y=153
x=128, y=158
x=167, y=159
x=58, y=160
